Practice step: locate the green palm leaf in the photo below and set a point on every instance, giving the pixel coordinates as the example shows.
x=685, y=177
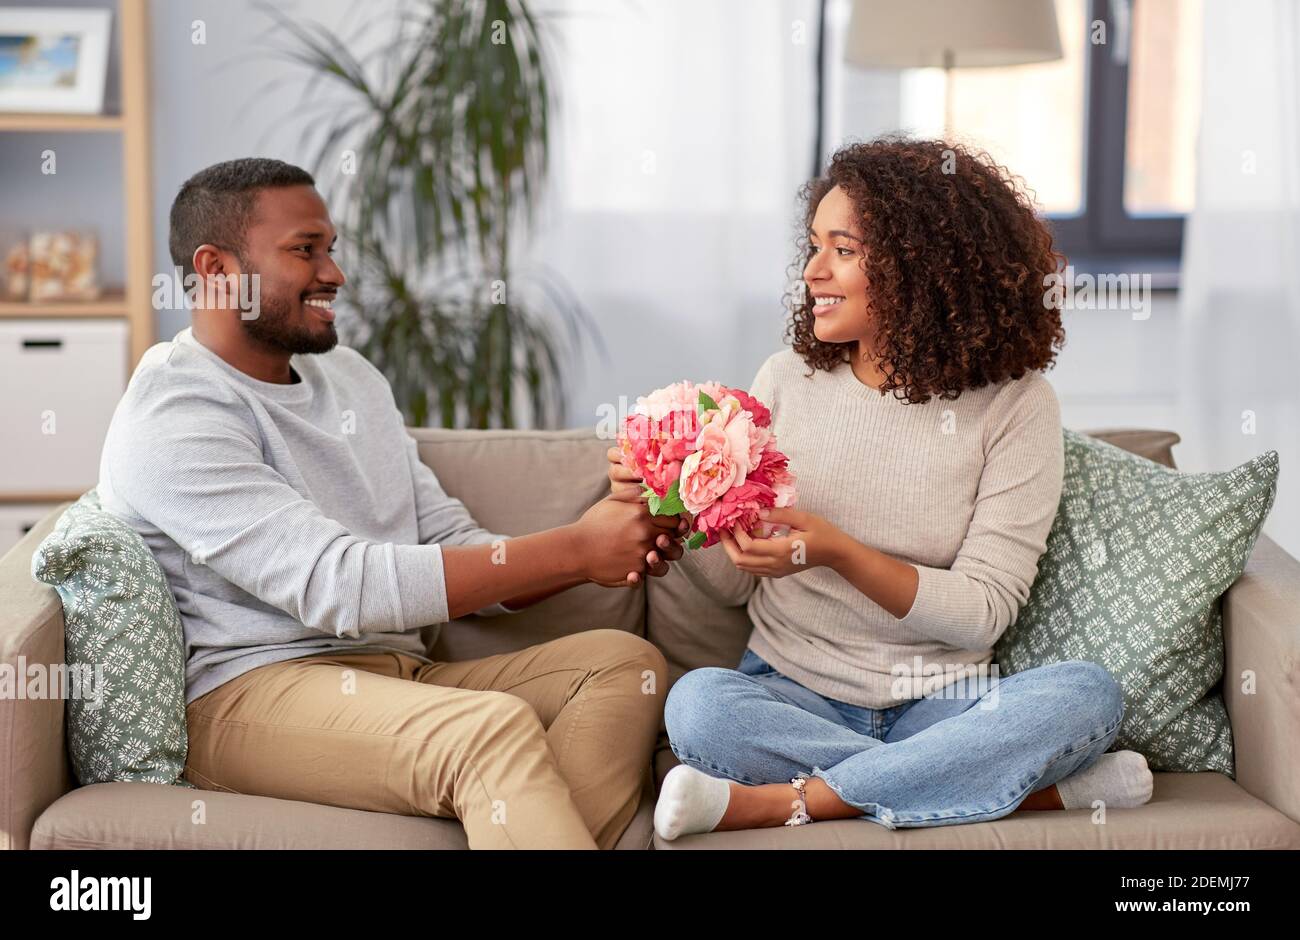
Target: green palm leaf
x=449, y=124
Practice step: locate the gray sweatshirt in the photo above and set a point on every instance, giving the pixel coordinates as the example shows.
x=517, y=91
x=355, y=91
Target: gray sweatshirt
x=289, y=519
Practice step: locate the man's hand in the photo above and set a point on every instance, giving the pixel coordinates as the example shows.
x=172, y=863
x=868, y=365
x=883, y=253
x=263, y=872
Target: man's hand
x=626, y=486
x=811, y=542
x=621, y=542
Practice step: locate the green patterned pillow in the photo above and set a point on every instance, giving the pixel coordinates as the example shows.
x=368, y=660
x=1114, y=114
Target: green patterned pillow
x=1137, y=559
x=123, y=635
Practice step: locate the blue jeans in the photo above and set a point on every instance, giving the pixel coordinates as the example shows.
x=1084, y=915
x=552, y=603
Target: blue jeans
x=928, y=761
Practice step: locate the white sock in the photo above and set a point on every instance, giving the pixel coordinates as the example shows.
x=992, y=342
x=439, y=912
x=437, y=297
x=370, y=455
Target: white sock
x=1118, y=778
x=690, y=801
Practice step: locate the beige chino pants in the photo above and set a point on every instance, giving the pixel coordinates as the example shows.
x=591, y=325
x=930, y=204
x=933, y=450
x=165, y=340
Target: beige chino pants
x=546, y=747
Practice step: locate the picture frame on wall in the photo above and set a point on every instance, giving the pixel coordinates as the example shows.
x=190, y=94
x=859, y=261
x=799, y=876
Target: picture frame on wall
x=53, y=60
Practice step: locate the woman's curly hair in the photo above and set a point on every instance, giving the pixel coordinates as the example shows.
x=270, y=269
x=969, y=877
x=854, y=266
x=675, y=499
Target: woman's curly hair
x=956, y=262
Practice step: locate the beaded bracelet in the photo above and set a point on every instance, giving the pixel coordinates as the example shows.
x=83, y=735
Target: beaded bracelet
x=800, y=805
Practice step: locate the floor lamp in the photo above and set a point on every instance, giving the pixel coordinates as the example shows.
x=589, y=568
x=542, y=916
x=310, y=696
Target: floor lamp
x=951, y=34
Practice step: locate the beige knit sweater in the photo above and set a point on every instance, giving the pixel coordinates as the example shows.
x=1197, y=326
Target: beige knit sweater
x=964, y=490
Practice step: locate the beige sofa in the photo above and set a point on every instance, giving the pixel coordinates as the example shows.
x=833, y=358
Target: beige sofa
x=521, y=481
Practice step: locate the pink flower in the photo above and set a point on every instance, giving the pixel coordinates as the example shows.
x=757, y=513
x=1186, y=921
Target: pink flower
x=711, y=470
x=762, y=416
x=742, y=438
x=760, y=442
x=739, y=506
x=726, y=467
x=680, y=396
x=655, y=449
x=715, y=390
x=773, y=471
x=783, y=487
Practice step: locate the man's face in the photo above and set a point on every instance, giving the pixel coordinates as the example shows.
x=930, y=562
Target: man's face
x=288, y=243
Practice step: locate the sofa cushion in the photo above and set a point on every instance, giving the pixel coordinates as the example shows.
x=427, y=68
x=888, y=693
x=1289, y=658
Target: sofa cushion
x=124, y=648
x=138, y=816
x=517, y=482
x=1186, y=811
x=1137, y=559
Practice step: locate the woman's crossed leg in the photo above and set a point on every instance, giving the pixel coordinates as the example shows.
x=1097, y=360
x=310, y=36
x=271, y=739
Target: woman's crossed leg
x=937, y=761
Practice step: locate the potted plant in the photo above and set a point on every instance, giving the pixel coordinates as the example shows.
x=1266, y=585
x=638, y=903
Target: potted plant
x=433, y=164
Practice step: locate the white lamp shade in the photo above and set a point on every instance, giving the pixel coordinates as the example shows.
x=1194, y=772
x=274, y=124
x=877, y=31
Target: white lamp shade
x=960, y=33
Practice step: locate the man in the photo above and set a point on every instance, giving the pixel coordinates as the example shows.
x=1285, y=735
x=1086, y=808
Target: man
x=270, y=472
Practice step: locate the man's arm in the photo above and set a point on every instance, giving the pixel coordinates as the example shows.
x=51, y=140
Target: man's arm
x=667, y=549
x=604, y=545
x=474, y=573
x=447, y=521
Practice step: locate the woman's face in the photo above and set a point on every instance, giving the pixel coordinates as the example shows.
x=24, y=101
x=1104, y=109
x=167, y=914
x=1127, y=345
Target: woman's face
x=834, y=276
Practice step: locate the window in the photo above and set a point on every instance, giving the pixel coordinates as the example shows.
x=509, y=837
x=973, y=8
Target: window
x=1104, y=137
x=1029, y=118
x=1164, y=81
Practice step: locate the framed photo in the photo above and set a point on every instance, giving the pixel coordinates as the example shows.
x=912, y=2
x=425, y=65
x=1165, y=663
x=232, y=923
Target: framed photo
x=53, y=60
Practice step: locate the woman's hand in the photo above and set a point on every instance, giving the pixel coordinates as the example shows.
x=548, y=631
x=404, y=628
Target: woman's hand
x=624, y=484
x=810, y=543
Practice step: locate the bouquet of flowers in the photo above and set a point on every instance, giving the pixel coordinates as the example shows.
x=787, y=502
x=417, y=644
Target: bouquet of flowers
x=709, y=451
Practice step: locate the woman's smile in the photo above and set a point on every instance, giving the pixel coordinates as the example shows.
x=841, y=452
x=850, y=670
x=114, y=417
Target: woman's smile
x=825, y=303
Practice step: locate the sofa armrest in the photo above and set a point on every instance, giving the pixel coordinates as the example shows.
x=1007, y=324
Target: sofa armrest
x=34, y=768
x=1261, y=634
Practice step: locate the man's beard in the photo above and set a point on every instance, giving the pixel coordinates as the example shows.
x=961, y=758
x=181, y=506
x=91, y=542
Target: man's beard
x=275, y=328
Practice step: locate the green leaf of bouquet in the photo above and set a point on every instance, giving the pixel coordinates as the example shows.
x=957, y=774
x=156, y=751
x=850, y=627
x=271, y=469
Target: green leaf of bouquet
x=707, y=403
x=671, y=504
x=696, y=540
x=654, y=502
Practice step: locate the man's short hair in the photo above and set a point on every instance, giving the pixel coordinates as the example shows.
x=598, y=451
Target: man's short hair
x=215, y=206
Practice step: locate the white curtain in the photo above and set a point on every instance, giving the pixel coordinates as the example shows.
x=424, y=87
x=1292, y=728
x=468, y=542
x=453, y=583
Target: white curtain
x=684, y=130
x=1239, y=372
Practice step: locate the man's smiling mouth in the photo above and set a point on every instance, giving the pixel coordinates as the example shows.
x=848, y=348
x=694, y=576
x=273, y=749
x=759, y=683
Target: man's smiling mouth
x=323, y=307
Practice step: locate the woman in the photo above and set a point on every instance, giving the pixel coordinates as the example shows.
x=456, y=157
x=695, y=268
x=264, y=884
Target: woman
x=928, y=451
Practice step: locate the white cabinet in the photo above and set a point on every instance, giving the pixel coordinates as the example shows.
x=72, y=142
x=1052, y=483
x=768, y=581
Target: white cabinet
x=60, y=380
